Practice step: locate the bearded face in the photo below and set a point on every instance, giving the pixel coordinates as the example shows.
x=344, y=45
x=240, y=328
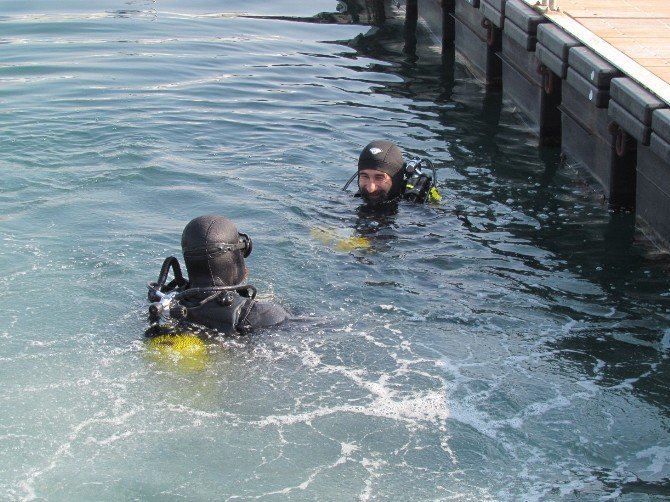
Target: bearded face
x=374, y=186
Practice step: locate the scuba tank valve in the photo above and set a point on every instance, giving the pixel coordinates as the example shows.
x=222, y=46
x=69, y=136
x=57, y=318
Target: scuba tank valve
x=419, y=184
x=162, y=308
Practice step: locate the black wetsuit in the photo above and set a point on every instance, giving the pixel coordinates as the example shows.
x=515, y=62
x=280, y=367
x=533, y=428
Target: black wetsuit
x=233, y=313
x=214, y=252
x=228, y=310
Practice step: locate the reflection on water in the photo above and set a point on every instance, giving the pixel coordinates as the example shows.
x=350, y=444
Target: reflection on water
x=510, y=343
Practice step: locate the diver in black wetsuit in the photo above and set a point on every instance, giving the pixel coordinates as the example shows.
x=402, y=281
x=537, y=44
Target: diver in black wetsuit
x=213, y=296
x=384, y=177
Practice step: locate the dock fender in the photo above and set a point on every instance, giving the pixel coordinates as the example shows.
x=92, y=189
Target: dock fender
x=621, y=138
x=490, y=32
x=547, y=78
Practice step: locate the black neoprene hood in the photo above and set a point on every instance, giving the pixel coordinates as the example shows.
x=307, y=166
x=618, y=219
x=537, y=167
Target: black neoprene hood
x=207, y=267
x=384, y=156
x=381, y=155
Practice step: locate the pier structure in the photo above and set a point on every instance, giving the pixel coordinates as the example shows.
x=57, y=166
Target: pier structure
x=589, y=76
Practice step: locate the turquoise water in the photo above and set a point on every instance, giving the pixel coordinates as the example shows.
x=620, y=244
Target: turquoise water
x=510, y=344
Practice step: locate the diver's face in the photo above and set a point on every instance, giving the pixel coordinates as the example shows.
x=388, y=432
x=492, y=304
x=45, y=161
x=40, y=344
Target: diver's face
x=374, y=185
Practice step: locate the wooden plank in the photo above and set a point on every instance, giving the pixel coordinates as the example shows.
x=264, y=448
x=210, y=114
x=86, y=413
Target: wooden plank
x=612, y=13
x=604, y=5
x=662, y=72
x=641, y=48
x=615, y=8
x=647, y=40
x=608, y=28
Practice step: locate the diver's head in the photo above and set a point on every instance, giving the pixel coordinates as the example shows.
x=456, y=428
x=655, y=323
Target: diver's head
x=380, y=172
x=214, y=252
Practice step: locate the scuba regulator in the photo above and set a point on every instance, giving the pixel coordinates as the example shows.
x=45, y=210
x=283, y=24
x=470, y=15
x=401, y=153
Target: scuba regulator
x=174, y=304
x=162, y=295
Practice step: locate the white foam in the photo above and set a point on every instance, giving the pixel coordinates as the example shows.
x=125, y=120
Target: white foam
x=660, y=459
x=665, y=342
x=428, y=407
x=348, y=448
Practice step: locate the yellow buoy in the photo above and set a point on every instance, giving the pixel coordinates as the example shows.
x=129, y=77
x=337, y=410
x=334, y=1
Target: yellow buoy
x=333, y=239
x=180, y=351
x=351, y=243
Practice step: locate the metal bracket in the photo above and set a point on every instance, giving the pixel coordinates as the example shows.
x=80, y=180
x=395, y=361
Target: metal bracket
x=545, y=6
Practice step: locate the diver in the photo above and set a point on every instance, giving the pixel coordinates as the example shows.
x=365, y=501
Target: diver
x=384, y=177
x=214, y=296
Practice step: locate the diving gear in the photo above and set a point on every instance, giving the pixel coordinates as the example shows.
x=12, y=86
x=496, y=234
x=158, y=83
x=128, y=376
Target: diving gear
x=420, y=186
x=353, y=177
x=214, y=248
x=381, y=155
x=417, y=185
x=180, y=352
x=213, y=297
x=156, y=289
x=223, y=308
x=384, y=156
x=334, y=239
x=214, y=252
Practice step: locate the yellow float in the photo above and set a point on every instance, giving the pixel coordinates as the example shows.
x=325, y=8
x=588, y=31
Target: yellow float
x=333, y=239
x=182, y=352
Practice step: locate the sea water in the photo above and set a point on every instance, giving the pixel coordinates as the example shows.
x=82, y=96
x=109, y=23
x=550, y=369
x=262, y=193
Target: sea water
x=510, y=343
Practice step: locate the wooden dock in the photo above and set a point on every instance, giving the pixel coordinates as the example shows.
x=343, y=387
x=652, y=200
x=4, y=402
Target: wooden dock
x=633, y=35
x=590, y=76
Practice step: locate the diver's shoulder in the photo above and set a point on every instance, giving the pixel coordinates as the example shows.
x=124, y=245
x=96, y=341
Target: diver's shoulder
x=267, y=313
